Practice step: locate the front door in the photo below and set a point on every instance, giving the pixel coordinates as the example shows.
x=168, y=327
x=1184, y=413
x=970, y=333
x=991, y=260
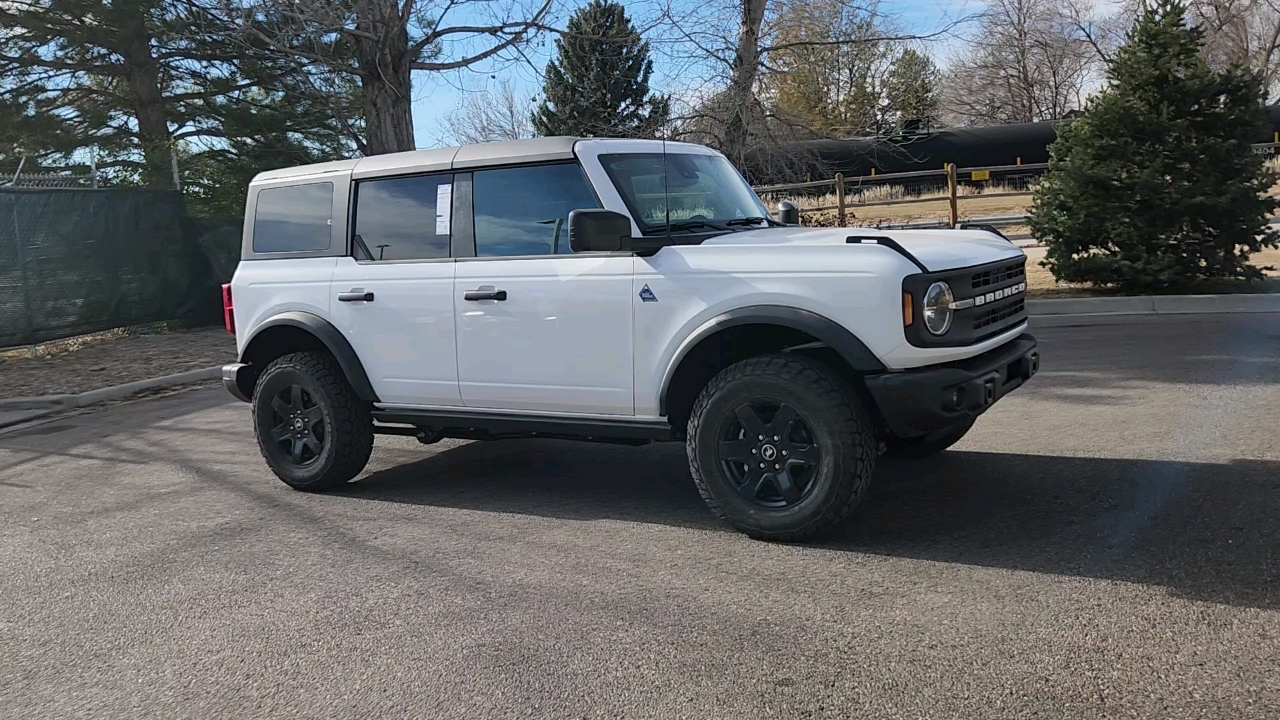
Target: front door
x=393, y=298
x=541, y=329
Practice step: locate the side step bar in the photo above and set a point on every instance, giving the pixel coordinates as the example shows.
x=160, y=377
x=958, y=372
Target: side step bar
x=432, y=425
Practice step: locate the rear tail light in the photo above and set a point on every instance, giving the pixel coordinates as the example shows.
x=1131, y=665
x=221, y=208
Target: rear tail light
x=228, y=312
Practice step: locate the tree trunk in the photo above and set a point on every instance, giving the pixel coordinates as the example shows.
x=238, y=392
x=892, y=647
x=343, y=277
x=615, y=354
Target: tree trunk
x=388, y=115
x=147, y=99
x=385, y=77
x=741, y=91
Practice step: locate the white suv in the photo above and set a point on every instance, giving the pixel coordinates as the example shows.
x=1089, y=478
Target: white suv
x=614, y=290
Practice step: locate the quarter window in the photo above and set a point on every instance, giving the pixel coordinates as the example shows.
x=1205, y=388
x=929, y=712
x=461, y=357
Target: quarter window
x=525, y=210
x=295, y=218
x=406, y=218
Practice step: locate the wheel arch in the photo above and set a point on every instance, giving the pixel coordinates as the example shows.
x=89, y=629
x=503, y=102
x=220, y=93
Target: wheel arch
x=769, y=328
x=296, y=331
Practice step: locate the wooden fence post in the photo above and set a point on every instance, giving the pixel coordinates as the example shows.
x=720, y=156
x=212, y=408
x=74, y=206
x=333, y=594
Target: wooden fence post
x=951, y=195
x=840, y=199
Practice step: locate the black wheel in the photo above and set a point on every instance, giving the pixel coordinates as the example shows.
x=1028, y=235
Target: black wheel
x=780, y=447
x=312, y=429
x=932, y=444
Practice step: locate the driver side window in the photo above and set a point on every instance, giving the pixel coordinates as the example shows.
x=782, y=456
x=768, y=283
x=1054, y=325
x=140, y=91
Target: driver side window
x=525, y=210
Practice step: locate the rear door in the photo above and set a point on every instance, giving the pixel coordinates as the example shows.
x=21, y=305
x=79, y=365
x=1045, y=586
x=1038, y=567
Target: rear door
x=392, y=296
x=541, y=329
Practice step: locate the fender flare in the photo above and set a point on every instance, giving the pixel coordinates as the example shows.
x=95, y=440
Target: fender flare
x=829, y=332
x=332, y=339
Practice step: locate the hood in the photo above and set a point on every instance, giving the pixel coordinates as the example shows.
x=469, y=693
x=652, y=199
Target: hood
x=935, y=249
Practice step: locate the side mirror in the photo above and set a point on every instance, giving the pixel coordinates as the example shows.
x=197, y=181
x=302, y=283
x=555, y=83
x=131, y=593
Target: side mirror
x=788, y=213
x=599, y=231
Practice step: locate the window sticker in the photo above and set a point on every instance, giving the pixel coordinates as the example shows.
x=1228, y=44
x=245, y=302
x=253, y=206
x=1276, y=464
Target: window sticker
x=444, y=207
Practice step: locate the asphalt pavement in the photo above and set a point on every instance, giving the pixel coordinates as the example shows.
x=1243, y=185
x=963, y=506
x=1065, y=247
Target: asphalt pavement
x=1104, y=544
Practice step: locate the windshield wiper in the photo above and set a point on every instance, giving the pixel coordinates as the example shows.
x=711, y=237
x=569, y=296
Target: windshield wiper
x=691, y=224
x=754, y=221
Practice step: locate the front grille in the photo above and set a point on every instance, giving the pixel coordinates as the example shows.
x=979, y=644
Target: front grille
x=1000, y=275
x=979, y=321
x=996, y=315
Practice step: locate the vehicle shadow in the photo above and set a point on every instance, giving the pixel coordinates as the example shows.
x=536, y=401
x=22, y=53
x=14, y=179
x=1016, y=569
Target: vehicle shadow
x=1204, y=531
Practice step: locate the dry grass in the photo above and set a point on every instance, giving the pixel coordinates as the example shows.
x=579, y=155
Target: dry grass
x=929, y=210
x=931, y=206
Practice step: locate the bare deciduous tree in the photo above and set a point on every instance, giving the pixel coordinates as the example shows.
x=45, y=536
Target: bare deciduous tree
x=1246, y=32
x=490, y=116
x=1028, y=61
x=736, y=46
x=831, y=67
x=382, y=42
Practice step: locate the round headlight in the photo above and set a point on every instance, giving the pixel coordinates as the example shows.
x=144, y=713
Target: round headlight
x=937, y=308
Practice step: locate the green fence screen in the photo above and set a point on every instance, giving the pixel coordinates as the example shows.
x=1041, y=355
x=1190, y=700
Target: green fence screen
x=81, y=261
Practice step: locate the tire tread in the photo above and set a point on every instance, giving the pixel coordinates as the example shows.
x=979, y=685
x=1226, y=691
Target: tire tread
x=352, y=431
x=862, y=443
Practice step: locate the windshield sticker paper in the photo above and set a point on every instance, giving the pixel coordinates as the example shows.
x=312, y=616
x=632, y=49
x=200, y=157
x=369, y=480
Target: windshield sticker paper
x=444, y=206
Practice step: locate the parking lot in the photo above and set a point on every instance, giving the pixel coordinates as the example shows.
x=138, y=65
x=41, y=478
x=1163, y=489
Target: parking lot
x=1105, y=543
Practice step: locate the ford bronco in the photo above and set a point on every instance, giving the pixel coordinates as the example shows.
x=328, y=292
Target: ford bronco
x=614, y=290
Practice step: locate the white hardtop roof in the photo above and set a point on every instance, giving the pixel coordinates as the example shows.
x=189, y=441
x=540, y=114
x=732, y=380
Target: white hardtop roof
x=512, y=152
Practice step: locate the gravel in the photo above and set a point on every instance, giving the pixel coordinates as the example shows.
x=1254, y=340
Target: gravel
x=115, y=361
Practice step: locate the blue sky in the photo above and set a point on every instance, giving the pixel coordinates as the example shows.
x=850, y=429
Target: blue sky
x=436, y=94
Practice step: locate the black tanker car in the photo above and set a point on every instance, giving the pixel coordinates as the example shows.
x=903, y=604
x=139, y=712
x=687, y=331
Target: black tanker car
x=996, y=145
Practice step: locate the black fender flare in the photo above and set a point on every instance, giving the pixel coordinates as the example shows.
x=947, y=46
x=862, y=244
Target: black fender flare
x=828, y=331
x=332, y=339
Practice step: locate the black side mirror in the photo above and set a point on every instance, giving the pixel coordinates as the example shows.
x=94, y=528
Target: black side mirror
x=599, y=231
x=788, y=213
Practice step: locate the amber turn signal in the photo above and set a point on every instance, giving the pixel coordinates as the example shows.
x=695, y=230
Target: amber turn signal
x=908, y=313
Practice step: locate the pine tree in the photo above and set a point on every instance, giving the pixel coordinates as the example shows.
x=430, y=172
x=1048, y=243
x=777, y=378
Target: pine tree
x=598, y=84
x=1154, y=186
x=911, y=91
x=142, y=80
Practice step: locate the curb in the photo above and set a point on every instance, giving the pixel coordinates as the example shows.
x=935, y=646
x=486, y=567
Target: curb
x=19, y=410
x=1119, y=307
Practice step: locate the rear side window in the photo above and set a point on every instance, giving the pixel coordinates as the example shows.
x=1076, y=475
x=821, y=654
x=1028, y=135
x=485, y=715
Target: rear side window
x=404, y=218
x=525, y=210
x=297, y=218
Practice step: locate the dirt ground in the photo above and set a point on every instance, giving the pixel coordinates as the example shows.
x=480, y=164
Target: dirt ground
x=1040, y=281
x=968, y=207
x=109, y=361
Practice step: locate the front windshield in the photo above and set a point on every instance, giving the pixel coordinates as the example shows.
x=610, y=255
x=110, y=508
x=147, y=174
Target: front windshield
x=697, y=188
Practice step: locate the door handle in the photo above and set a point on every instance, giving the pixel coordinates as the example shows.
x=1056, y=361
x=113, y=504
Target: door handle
x=355, y=296
x=475, y=295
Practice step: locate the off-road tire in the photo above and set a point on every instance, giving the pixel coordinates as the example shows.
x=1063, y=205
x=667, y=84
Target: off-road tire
x=833, y=418
x=931, y=445
x=347, y=421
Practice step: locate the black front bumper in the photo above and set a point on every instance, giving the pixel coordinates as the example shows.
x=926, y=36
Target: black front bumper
x=923, y=401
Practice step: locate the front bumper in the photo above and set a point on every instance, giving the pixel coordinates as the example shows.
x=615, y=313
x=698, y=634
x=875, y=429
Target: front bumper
x=923, y=401
x=231, y=380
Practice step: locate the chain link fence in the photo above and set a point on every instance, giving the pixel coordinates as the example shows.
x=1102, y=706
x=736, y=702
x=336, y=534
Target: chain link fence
x=82, y=261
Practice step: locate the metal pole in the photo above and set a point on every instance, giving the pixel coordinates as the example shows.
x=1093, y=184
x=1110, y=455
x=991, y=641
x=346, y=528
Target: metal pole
x=951, y=195
x=17, y=175
x=840, y=198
